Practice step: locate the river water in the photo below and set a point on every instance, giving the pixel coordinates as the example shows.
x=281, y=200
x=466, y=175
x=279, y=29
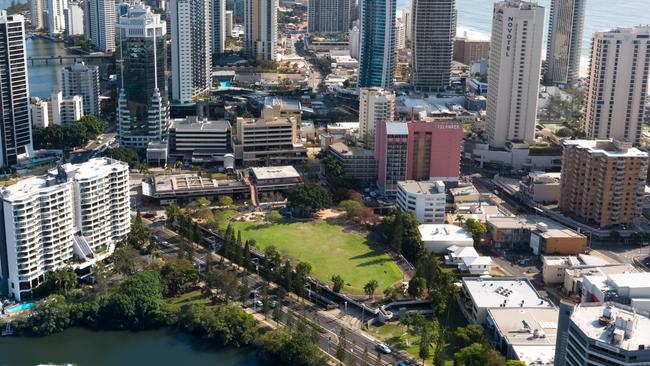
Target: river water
x=83, y=347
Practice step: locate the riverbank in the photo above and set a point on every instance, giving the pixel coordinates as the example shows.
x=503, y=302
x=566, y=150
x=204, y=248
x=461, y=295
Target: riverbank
x=106, y=348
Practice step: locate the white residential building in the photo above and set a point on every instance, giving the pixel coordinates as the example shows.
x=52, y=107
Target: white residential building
x=260, y=28
x=65, y=110
x=467, y=259
x=375, y=104
x=219, y=26
x=39, y=112
x=37, y=14
x=617, y=84
x=81, y=79
x=73, y=217
x=515, y=66
x=74, y=19
x=55, y=16
x=566, y=23
x=191, y=48
x=425, y=199
x=99, y=24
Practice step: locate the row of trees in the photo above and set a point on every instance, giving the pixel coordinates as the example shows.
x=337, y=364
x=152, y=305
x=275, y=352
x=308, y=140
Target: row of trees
x=68, y=136
x=430, y=280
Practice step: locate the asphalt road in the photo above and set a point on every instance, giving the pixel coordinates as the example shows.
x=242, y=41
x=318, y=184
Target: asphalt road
x=356, y=340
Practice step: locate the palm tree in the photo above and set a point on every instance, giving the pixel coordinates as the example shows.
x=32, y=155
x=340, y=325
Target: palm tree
x=460, y=219
x=370, y=287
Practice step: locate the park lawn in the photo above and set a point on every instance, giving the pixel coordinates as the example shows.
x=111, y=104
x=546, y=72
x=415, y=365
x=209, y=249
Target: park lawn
x=192, y=297
x=329, y=250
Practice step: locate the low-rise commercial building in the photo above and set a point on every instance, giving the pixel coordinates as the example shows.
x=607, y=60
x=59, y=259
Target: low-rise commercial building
x=545, y=240
x=268, y=142
x=479, y=294
x=524, y=334
x=624, y=288
x=541, y=187
x=542, y=235
x=73, y=216
x=426, y=200
x=276, y=178
x=437, y=238
x=186, y=187
x=574, y=277
x=357, y=162
x=276, y=107
x=200, y=141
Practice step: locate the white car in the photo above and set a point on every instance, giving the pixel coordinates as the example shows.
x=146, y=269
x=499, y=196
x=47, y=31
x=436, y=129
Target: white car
x=381, y=347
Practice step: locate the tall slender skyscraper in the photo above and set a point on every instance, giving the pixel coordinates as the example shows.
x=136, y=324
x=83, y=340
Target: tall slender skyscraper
x=55, y=16
x=377, y=54
x=36, y=13
x=566, y=23
x=191, y=48
x=434, y=29
x=143, y=108
x=99, y=24
x=617, y=84
x=329, y=16
x=260, y=28
x=218, y=38
x=16, y=131
x=515, y=67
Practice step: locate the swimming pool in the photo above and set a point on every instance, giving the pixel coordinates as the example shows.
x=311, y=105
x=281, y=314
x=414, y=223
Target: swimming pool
x=19, y=307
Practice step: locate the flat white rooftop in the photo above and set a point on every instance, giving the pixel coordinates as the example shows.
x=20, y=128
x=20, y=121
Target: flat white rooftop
x=443, y=232
x=589, y=318
x=422, y=187
x=508, y=292
x=275, y=172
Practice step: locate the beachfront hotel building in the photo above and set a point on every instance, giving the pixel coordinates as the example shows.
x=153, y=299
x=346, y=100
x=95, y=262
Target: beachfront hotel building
x=514, y=72
x=73, y=216
x=434, y=29
x=377, y=44
x=566, y=23
x=617, y=84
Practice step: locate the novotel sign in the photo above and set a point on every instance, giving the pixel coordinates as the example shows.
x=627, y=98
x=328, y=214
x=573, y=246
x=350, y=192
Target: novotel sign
x=509, y=26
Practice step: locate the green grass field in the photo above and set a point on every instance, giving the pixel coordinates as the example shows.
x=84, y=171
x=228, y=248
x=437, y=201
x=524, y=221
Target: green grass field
x=329, y=250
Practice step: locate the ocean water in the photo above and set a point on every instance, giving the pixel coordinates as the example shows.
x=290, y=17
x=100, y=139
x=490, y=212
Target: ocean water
x=475, y=17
